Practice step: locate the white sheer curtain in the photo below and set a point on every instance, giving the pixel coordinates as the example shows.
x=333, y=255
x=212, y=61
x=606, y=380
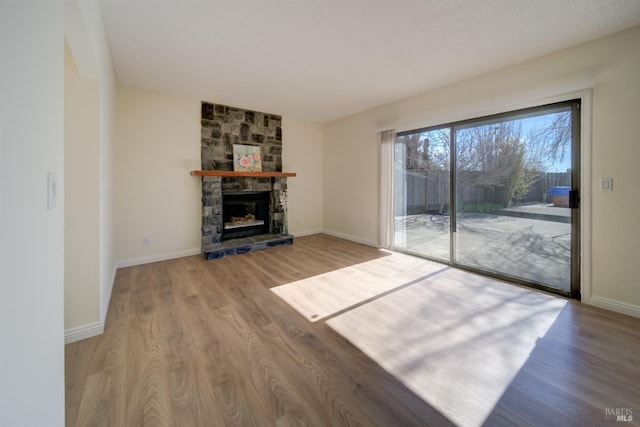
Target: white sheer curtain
x=387, y=214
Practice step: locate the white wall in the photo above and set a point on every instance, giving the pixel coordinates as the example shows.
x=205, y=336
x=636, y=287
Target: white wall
x=302, y=154
x=31, y=237
x=611, y=65
x=92, y=14
x=81, y=213
x=616, y=152
x=84, y=29
x=351, y=164
x=158, y=144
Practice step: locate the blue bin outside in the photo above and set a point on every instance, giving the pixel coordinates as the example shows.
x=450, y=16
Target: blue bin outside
x=560, y=196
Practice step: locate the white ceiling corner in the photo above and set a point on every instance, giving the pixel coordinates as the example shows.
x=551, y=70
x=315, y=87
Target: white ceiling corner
x=77, y=36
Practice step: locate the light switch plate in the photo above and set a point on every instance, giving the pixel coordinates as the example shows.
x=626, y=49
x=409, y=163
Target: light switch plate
x=606, y=184
x=52, y=190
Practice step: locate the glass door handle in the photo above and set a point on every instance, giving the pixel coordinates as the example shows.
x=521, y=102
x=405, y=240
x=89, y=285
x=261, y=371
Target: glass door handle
x=574, y=199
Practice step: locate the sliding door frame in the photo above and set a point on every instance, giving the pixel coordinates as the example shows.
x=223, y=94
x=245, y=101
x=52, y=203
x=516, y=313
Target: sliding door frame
x=580, y=103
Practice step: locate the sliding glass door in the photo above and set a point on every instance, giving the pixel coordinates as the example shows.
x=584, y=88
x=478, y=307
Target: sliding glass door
x=508, y=207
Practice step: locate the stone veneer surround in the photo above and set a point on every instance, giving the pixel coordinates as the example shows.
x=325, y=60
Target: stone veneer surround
x=222, y=127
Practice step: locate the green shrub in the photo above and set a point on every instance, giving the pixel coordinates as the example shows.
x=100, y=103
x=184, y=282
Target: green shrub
x=486, y=208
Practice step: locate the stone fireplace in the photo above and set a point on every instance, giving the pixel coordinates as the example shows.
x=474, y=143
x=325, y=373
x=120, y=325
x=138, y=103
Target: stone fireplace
x=240, y=212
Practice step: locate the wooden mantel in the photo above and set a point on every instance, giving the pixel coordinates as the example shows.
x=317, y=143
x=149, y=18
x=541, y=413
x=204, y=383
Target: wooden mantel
x=243, y=174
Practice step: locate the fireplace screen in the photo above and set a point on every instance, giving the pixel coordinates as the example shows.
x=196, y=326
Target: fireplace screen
x=245, y=214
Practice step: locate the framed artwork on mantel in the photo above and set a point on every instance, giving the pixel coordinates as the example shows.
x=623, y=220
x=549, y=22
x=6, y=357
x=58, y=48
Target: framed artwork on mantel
x=246, y=158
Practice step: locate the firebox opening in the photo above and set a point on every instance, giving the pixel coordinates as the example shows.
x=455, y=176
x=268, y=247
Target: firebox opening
x=245, y=214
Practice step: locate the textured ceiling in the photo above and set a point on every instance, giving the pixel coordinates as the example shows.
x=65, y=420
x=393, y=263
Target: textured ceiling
x=324, y=59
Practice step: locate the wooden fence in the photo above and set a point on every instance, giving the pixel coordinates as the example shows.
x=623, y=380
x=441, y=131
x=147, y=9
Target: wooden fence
x=422, y=191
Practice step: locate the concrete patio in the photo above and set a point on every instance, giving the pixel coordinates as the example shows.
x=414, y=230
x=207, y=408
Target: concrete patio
x=523, y=246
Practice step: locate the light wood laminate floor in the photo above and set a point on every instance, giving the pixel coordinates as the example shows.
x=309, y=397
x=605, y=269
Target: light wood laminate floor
x=190, y=342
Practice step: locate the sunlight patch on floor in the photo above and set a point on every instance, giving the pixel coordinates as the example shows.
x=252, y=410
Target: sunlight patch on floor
x=456, y=339
x=325, y=295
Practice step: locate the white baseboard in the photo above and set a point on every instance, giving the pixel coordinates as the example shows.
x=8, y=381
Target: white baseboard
x=157, y=257
x=617, y=306
x=351, y=238
x=306, y=232
x=83, y=331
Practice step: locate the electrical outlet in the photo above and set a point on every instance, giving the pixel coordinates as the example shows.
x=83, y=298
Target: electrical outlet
x=146, y=241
